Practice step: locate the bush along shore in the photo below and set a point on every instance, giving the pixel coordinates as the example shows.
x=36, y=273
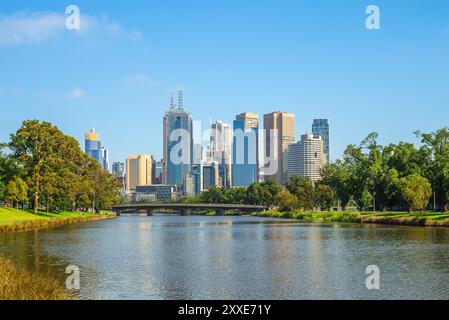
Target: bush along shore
x=430, y=219
x=19, y=284
x=12, y=220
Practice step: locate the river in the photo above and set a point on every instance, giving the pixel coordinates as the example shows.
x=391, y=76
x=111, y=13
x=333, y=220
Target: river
x=194, y=257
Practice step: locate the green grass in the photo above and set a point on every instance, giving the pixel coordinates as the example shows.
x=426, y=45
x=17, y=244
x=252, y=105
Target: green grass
x=431, y=215
x=10, y=215
x=19, y=220
x=313, y=216
x=426, y=218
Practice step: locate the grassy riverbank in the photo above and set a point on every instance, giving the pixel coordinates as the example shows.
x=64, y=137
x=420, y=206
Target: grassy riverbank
x=19, y=220
x=394, y=218
x=313, y=216
x=426, y=219
x=19, y=284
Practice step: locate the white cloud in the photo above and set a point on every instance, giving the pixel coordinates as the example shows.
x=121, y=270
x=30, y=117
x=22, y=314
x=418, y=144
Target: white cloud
x=141, y=80
x=74, y=94
x=22, y=27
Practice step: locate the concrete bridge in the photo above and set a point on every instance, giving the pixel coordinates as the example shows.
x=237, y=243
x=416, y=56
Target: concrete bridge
x=184, y=208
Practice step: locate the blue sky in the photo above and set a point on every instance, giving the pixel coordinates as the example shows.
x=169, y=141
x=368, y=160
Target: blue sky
x=313, y=58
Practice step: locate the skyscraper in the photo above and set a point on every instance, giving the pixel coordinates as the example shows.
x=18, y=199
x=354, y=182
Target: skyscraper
x=157, y=172
x=105, y=158
x=280, y=128
x=211, y=177
x=306, y=157
x=320, y=127
x=118, y=169
x=92, y=145
x=138, y=171
x=177, y=143
x=220, y=150
x=245, y=150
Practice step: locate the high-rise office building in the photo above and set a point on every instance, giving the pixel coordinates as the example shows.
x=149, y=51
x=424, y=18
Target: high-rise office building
x=197, y=153
x=157, y=172
x=320, y=127
x=197, y=174
x=211, y=177
x=118, y=169
x=177, y=143
x=279, y=133
x=105, y=158
x=92, y=145
x=220, y=150
x=189, y=185
x=306, y=157
x=138, y=171
x=245, y=150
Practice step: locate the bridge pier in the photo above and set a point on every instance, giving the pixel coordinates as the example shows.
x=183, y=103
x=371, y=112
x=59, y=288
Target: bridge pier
x=149, y=212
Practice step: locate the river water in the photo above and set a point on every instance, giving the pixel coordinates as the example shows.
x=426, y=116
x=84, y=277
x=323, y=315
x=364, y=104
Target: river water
x=179, y=257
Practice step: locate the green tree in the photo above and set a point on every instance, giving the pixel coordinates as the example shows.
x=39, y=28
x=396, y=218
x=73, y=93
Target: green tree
x=324, y=196
x=265, y=193
x=238, y=195
x=35, y=145
x=16, y=192
x=11, y=193
x=60, y=176
x=2, y=191
x=366, y=200
x=416, y=191
x=337, y=177
x=9, y=169
x=287, y=201
x=303, y=189
x=437, y=146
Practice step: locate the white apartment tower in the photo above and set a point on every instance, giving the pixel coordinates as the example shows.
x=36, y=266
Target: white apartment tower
x=306, y=157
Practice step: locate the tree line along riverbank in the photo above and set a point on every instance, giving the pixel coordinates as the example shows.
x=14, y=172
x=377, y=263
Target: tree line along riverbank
x=434, y=219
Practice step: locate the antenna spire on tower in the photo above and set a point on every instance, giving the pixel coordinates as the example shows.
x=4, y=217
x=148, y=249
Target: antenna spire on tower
x=181, y=98
x=172, y=100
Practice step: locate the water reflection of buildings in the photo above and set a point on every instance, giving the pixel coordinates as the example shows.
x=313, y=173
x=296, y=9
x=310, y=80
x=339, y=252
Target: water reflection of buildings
x=317, y=264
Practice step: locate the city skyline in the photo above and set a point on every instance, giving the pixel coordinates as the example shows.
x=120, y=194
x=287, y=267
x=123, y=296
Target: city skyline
x=231, y=156
x=318, y=68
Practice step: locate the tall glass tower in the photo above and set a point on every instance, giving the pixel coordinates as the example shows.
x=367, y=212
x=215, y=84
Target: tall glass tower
x=177, y=143
x=92, y=145
x=245, y=150
x=320, y=127
x=105, y=158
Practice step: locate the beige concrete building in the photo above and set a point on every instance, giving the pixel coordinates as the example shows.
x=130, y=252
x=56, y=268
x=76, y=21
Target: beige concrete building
x=138, y=171
x=306, y=158
x=281, y=127
x=251, y=119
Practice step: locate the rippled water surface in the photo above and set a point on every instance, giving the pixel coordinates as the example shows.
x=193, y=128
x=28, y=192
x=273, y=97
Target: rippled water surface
x=174, y=257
